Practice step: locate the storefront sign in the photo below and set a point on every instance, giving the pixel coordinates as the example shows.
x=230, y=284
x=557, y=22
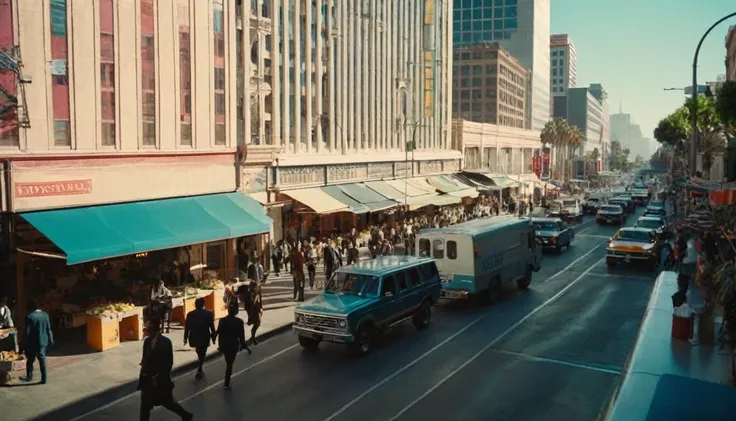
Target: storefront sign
x=430, y=167
x=41, y=184
x=300, y=176
x=53, y=188
x=381, y=170
x=357, y=172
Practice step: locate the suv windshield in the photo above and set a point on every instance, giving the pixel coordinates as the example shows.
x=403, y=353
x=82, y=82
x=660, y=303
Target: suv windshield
x=611, y=208
x=636, y=236
x=657, y=204
x=545, y=226
x=649, y=224
x=352, y=283
x=569, y=203
x=594, y=199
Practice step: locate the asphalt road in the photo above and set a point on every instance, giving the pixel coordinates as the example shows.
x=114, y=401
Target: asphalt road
x=551, y=353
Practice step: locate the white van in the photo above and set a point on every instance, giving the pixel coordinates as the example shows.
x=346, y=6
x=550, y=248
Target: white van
x=477, y=257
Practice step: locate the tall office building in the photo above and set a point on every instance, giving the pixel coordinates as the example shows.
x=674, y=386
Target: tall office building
x=489, y=86
x=522, y=27
x=563, y=64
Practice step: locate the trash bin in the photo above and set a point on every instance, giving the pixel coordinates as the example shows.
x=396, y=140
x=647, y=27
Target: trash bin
x=682, y=327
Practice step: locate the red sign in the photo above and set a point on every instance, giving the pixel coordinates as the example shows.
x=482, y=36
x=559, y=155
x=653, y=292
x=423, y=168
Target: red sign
x=53, y=188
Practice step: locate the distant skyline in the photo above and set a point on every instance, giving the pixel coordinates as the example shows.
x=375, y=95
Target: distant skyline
x=637, y=48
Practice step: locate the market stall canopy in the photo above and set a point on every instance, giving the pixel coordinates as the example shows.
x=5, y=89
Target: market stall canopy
x=368, y=197
x=355, y=206
x=418, y=202
x=385, y=189
x=447, y=185
x=479, y=180
x=318, y=201
x=404, y=185
x=502, y=181
x=100, y=232
x=422, y=184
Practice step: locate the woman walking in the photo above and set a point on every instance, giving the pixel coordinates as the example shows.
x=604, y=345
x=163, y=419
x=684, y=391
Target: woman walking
x=255, y=310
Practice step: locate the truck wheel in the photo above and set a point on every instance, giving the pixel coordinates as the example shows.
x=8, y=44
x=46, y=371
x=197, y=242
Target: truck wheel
x=363, y=342
x=423, y=316
x=309, y=343
x=524, y=282
x=493, y=294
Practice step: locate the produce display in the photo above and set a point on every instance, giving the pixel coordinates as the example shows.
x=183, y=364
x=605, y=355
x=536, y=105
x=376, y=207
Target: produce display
x=10, y=356
x=183, y=291
x=110, y=308
x=210, y=284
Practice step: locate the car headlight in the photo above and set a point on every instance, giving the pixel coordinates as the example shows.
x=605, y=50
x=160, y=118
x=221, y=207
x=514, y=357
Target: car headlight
x=299, y=319
x=342, y=323
x=610, y=251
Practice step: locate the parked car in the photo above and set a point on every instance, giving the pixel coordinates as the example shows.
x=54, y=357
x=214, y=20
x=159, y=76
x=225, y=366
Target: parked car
x=363, y=300
x=610, y=214
x=656, y=207
x=553, y=233
x=634, y=245
x=653, y=222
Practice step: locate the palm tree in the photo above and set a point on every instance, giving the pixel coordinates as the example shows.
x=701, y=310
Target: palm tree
x=553, y=134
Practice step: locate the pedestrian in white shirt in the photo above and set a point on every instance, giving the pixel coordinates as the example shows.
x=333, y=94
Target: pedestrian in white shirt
x=6, y=319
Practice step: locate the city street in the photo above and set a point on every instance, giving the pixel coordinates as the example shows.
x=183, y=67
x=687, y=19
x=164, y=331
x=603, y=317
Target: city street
x=551, y=353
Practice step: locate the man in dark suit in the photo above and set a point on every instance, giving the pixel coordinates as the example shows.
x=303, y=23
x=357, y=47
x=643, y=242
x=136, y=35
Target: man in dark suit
x=154, y=381
x=37, y=336
x=231, y=331
x=199, y=330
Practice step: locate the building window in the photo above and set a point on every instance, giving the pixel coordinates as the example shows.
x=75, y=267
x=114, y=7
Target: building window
x=185, y=74
x=9, y=125
x=148, y=74
x=107, y=73
x=218, y=25
x=60, y=73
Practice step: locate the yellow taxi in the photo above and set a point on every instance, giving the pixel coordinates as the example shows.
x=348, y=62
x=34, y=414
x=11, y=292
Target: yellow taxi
x=633, y=244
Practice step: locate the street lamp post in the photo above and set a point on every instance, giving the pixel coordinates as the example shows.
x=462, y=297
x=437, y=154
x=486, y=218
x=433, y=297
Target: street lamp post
x=693, y=152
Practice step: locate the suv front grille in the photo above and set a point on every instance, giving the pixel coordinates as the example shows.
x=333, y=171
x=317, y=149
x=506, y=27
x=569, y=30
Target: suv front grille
x=320, y=322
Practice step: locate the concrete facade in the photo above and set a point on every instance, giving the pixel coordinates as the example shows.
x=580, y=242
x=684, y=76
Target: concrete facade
x=563, y=64
x=600, y=93
x=582, y=109
x=114, y=113
x=390, y=85
x=523, y=28
x=731, y=53
x=494, y=148
x=489, y=86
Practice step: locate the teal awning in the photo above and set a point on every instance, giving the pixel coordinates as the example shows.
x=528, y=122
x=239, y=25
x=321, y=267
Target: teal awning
x=337, y=194
x=100, y=232
x=368, y=197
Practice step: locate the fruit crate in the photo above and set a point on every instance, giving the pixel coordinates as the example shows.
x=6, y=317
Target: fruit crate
x=13, y=365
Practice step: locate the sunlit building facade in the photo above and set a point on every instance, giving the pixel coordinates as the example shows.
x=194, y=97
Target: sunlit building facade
x=522, y=27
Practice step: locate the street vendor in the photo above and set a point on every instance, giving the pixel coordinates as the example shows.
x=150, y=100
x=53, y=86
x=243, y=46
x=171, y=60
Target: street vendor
x=6, y=320
x=161, y=301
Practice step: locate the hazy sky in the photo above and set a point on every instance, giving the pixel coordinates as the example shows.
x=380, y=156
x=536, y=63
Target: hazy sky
x=635, y=48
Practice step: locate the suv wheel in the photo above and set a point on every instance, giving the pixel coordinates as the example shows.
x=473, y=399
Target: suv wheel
x=363, y=341
x=308, y=343
x=423, y=316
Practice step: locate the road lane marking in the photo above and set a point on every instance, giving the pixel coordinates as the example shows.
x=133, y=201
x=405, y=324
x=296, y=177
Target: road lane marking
x=597, y=368
x=186, y=374
x=423, y=356
x=236, y=374
x=495, y=341
x=574, y=262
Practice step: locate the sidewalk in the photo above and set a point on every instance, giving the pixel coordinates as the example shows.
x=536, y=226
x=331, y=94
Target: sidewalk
x=101, y=377
x=668, y=379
